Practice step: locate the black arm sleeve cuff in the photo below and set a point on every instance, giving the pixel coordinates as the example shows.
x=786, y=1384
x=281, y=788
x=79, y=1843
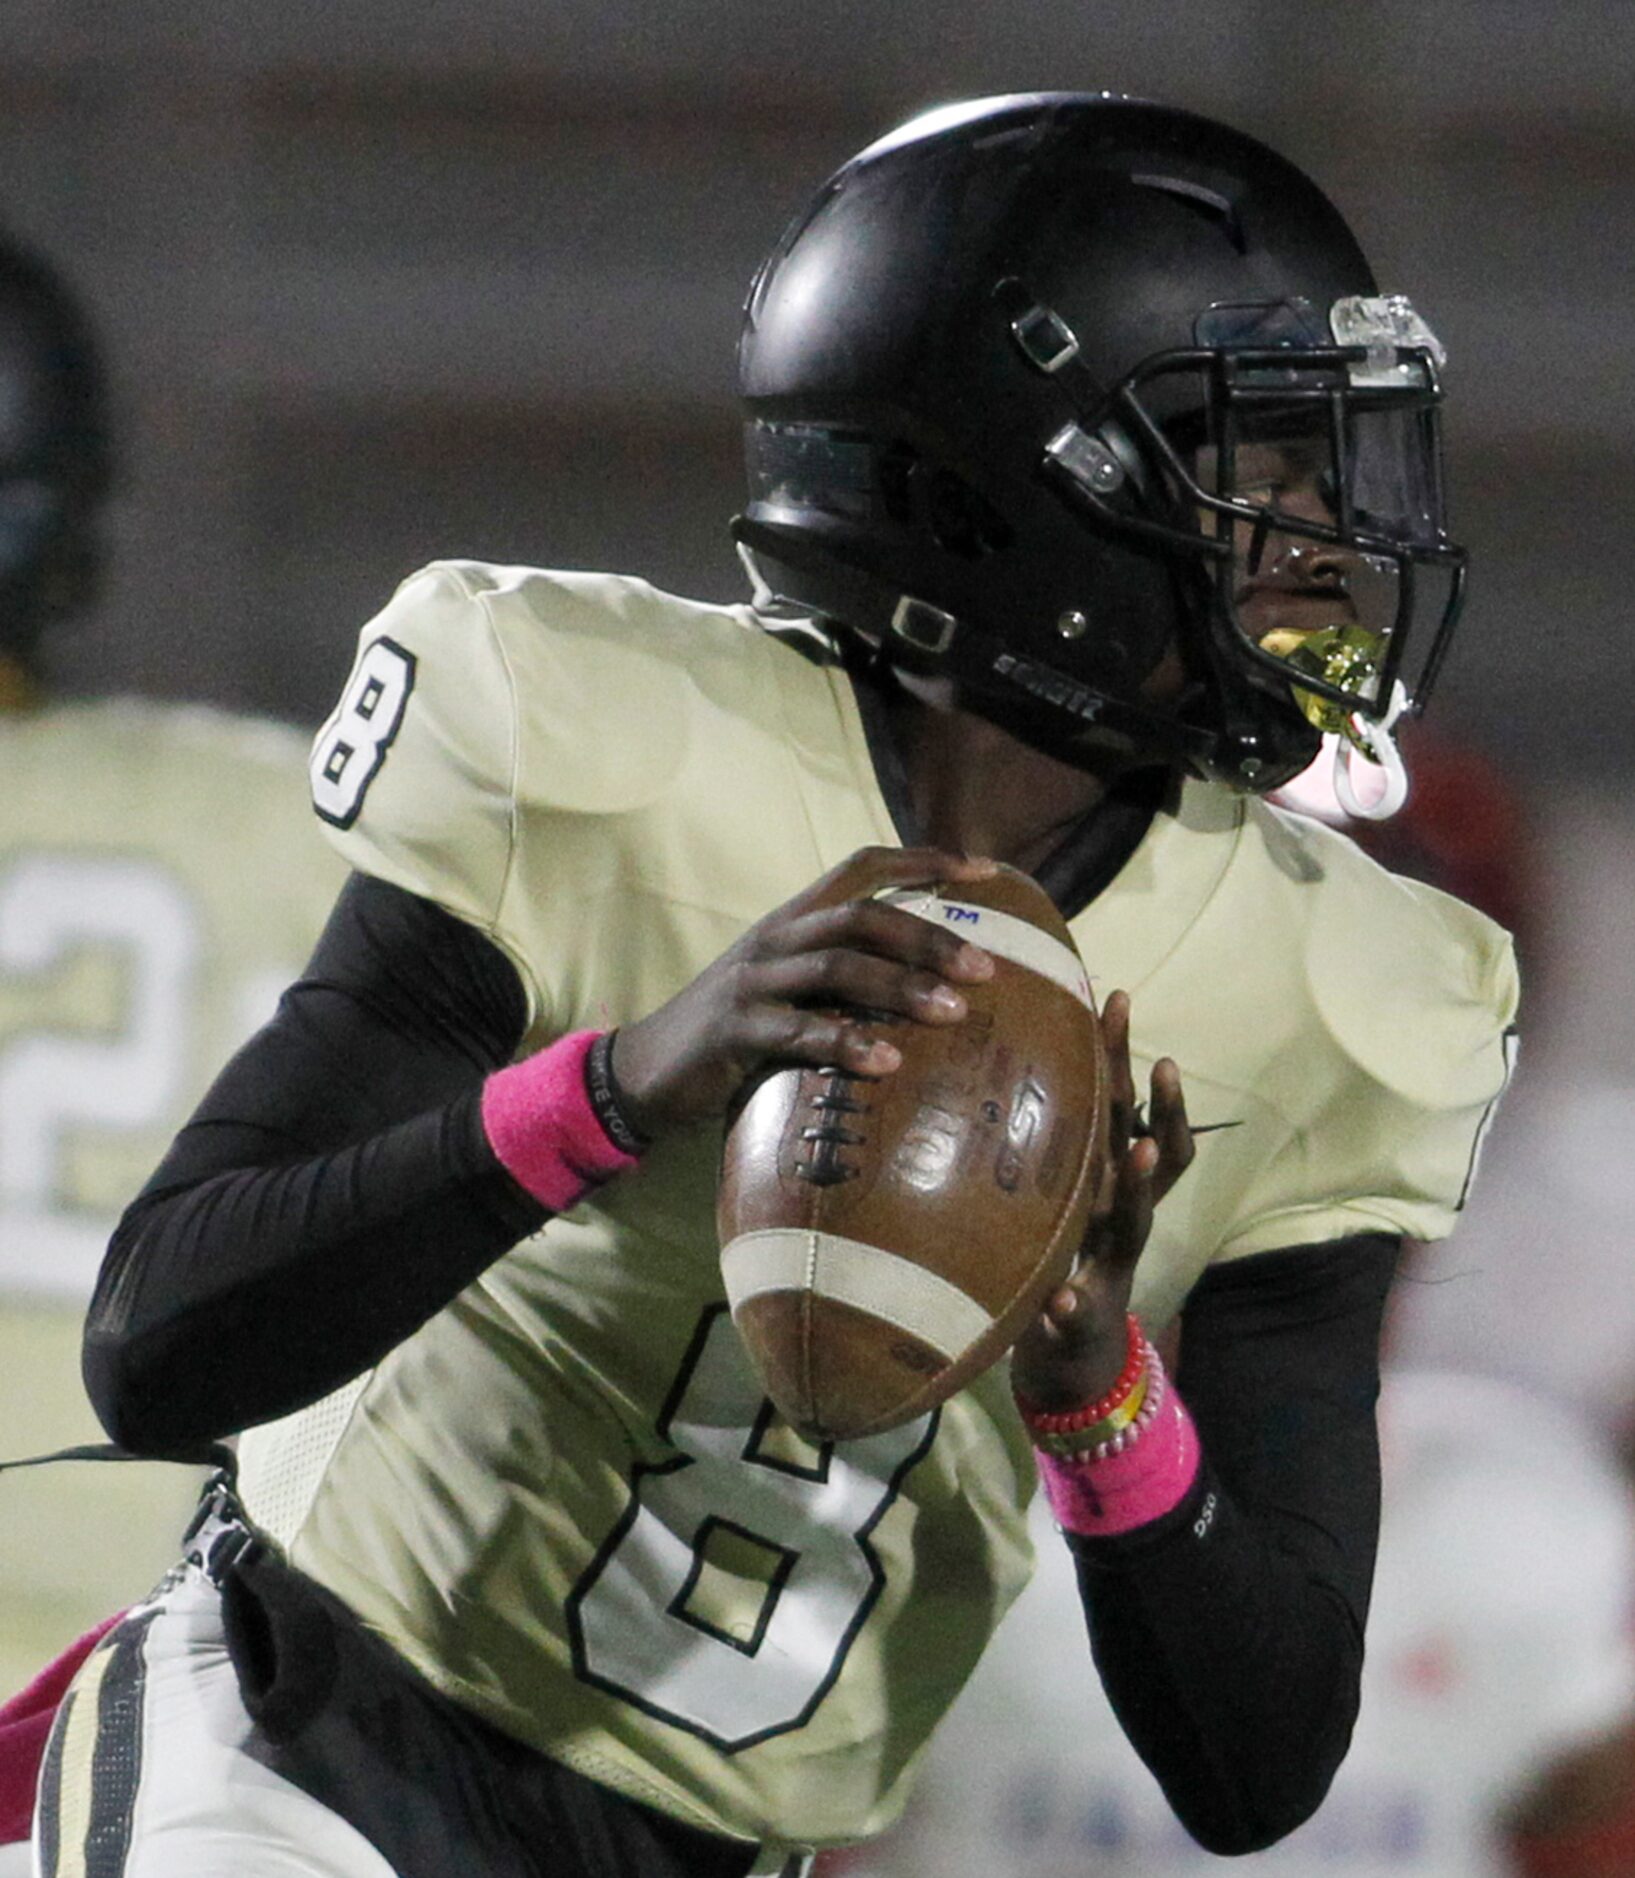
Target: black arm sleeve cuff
x=333, y=1190
x=1229, y=1632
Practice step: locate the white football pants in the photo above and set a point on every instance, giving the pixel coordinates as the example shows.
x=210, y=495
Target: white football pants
x=115, y=1804
x=201, y=1808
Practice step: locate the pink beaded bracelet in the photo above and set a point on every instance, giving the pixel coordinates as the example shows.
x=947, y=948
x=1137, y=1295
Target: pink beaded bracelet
x=1133, y=1477
x=1070, y=1421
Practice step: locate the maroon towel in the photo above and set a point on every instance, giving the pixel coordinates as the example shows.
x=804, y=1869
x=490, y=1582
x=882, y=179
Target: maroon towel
x=25, y=1722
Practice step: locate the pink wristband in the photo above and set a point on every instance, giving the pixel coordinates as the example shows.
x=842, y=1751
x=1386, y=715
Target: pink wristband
x=1122, y=1491
x=540, y=1122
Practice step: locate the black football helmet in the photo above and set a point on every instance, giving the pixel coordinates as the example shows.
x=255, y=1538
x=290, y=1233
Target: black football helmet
x=1041, y=389
x=54, y=454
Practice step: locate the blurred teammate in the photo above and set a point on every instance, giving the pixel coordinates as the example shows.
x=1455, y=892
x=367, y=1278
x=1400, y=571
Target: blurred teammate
x=159, y=881
x=1090, y=476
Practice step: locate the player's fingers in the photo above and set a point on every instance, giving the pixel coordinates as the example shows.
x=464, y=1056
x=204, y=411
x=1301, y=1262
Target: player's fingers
x=873, y=870
x=855, y=1044
x=1123, y=1214
x=837, y=976
x=1078, y=1308
x=1101, y=1206
x=1131, y=1219
x=874, y=926
x=1171, y=1130
x=1058, y=1317
x=1115, y=1033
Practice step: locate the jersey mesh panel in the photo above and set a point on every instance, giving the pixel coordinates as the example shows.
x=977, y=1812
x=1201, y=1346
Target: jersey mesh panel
x=284, y=1462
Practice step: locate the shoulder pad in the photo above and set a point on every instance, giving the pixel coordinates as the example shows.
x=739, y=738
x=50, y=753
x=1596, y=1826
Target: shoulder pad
x=412, y=772
x=481, y=693
x=1414, y=986
x=614, y=680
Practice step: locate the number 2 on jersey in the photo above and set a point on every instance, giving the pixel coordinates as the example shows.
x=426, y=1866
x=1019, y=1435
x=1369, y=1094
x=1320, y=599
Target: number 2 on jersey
x=728, y=1596
x=352, y=746
x=58, y=1082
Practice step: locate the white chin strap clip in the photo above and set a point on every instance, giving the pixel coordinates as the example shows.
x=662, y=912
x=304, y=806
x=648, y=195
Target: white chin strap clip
x=1373, y=744
x=761, y=596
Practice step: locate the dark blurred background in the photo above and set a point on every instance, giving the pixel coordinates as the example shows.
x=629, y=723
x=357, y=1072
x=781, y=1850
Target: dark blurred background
x=382, y=281
x=386, y=281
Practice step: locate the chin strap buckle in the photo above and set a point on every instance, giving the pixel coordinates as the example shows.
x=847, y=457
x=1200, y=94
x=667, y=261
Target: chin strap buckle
x=923, y=626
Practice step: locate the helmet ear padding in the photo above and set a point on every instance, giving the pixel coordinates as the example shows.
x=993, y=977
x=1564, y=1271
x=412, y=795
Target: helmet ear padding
x=939, y=503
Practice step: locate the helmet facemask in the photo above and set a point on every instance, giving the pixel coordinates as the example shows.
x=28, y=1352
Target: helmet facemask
x=1298, y=458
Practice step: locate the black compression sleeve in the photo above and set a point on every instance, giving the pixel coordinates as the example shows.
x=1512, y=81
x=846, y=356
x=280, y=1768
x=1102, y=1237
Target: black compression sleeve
x=1229, y=1633
x=332, y=1191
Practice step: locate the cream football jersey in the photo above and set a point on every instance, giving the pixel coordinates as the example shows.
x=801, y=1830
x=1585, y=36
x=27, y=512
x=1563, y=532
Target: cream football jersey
x=160, y=881
x=564, y=1499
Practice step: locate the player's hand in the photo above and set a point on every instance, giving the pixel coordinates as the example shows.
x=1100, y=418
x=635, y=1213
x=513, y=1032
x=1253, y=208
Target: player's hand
x=819, y=980
x=1073, y=1351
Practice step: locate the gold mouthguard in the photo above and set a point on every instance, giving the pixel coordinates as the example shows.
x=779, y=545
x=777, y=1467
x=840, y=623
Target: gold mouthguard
x=1347, y=656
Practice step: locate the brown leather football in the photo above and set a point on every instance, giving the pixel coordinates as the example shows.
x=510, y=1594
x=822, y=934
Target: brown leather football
x=884, y=1241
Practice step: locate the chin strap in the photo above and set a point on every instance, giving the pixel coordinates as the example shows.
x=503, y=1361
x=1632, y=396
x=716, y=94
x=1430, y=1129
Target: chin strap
x=761, y=596
x=1375, y=745
x=1036, y=702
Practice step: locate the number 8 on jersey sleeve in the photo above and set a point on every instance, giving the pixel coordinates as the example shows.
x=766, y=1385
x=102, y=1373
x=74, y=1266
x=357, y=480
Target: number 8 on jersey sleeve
x=351, y=747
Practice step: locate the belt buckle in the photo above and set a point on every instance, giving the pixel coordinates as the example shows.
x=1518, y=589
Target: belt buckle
x=216, y=1537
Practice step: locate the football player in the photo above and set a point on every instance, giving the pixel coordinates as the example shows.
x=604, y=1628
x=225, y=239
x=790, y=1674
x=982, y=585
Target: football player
x=157, y=887
x=1092, y=481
